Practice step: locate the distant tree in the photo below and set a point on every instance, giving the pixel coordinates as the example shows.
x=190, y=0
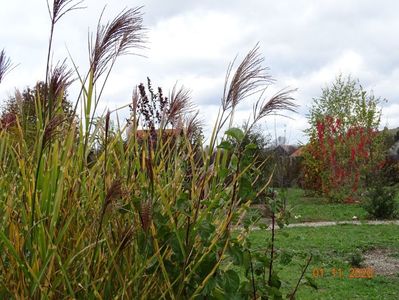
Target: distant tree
x=44, y=101
x=345, y=147
x=24, y=106
x=259, y=137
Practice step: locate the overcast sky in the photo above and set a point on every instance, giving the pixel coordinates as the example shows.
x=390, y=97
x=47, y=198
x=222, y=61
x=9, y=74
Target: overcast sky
x=306, y=44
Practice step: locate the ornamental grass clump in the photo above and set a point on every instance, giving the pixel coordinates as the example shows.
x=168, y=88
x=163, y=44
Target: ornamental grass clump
x=88, y=211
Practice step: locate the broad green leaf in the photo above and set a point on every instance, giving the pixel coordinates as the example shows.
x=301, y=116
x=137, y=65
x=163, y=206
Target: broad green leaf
x=236, y=133
x=231, y=281
x=251, y=146
x=225, y=145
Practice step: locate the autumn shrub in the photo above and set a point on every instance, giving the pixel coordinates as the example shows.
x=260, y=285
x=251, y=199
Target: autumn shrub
x=345, y=147
x=341, y=160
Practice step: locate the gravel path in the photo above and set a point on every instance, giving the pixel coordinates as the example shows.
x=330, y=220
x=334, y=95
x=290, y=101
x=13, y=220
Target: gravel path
x=330, y=223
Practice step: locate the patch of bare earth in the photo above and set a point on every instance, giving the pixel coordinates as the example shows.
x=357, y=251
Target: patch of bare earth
x=382, y=261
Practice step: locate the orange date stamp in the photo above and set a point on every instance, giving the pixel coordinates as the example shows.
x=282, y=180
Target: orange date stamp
x=367, y=273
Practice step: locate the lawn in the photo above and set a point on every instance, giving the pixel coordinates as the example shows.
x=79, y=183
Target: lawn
x=312, y=209
x=304, y=208
x=332, y=248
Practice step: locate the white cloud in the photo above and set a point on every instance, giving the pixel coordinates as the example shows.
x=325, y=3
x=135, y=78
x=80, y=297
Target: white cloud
x=195, y=35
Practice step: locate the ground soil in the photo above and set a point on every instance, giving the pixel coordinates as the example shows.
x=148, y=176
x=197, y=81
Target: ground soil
x=382, y=261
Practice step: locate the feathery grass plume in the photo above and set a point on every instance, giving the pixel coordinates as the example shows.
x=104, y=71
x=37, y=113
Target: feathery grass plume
x=62, y=7
x=114, y=192
x=248, y=78
x=193, y=126
x=52, y=128
x=5, y=65
x=53, y=93
x=60, y=80
x=179, y=105
x=116, y=38
x=282, y=100
x=55, y=90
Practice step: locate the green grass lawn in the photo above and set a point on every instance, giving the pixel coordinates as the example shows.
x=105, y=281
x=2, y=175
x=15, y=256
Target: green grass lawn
x=332, y=247
x=312, y=209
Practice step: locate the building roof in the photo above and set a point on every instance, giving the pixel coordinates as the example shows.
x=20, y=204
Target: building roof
x=286, y=149
x=298, y=152
x=140, y=133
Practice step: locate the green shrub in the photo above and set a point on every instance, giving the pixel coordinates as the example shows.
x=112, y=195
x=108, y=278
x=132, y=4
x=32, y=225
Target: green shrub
x=380, y=202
